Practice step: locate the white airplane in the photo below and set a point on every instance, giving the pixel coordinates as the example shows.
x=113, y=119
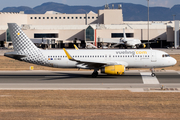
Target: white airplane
x=130, y=42
x=89, y=45
x=113, y=62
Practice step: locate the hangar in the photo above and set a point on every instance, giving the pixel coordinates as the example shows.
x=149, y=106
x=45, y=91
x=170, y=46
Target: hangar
x=56, y=30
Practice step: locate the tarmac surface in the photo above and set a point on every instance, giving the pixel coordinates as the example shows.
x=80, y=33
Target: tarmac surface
x=136, y=81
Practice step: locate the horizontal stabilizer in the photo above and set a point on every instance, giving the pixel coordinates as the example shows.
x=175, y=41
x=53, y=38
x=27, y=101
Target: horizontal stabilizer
x=14, y=55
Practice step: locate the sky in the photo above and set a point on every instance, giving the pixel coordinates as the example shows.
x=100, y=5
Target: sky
x=33, y=3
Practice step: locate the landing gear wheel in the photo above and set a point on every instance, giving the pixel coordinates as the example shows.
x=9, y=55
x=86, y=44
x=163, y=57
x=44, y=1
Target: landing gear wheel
x=152, y=71
x=137, y=46
x=121, y=47
x=94, y=74
x=153, y=74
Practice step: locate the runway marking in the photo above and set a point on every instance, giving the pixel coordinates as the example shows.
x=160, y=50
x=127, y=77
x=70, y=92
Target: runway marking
x=148, y=79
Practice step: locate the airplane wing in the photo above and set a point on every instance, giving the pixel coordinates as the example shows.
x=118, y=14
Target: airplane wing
x=80, y=61
x=93, y=46
x=151, y=41
x=117, y=44
x=94, y=63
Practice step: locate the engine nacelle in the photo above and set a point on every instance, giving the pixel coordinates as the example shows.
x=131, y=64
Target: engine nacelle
x=142, y=46
x=113, y=70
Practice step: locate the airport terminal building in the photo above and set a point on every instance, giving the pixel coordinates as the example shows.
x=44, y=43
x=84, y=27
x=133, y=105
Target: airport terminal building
x=57, y=30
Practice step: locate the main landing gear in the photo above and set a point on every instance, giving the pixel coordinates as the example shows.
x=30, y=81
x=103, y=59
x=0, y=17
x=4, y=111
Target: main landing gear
x=95, y=74
x=152, y=71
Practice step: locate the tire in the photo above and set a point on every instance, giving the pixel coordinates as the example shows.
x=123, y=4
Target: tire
x=153, y=74
x=94, y=74
x=137, y=46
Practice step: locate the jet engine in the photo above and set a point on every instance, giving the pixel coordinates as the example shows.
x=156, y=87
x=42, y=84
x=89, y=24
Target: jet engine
x=113, y=70
x=142, y=46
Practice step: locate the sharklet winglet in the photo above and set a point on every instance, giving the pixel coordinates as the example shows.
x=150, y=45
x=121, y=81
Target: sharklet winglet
x=76, y=47
x=68, y=55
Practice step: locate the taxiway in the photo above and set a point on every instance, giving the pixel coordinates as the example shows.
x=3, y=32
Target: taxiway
x=81, y=80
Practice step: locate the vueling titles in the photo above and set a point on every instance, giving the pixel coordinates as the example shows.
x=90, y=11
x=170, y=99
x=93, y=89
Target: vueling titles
x=131, y=52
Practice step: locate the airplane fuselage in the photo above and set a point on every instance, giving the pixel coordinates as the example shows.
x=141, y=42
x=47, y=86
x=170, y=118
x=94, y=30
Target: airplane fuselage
x=129, y=58
x=132, y=42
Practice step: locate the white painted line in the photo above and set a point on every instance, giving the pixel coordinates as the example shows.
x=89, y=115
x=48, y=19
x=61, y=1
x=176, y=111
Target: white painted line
x=148, y=79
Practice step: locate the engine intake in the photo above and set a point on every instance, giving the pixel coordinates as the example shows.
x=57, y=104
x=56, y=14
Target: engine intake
x=142, y=46
x=113, y=70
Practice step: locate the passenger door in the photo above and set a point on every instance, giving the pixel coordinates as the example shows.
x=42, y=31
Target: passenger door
x=153, y=56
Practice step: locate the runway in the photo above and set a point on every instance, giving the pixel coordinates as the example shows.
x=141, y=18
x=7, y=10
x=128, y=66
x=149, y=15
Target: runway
x=82, y=80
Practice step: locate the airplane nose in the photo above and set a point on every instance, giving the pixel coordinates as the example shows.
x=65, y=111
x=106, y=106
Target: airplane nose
x=174, y=61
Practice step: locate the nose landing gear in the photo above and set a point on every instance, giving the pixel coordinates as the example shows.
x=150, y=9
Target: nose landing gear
x=152, y=71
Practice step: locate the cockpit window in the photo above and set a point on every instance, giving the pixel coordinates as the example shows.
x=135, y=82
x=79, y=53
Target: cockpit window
x=165, y=55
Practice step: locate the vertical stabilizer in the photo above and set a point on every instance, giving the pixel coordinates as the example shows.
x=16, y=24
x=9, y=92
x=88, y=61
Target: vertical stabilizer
x=19, y=39
x=24, y=47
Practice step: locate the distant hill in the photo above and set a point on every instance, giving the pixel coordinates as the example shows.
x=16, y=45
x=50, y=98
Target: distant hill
x=131, y=12
x=27, y=10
